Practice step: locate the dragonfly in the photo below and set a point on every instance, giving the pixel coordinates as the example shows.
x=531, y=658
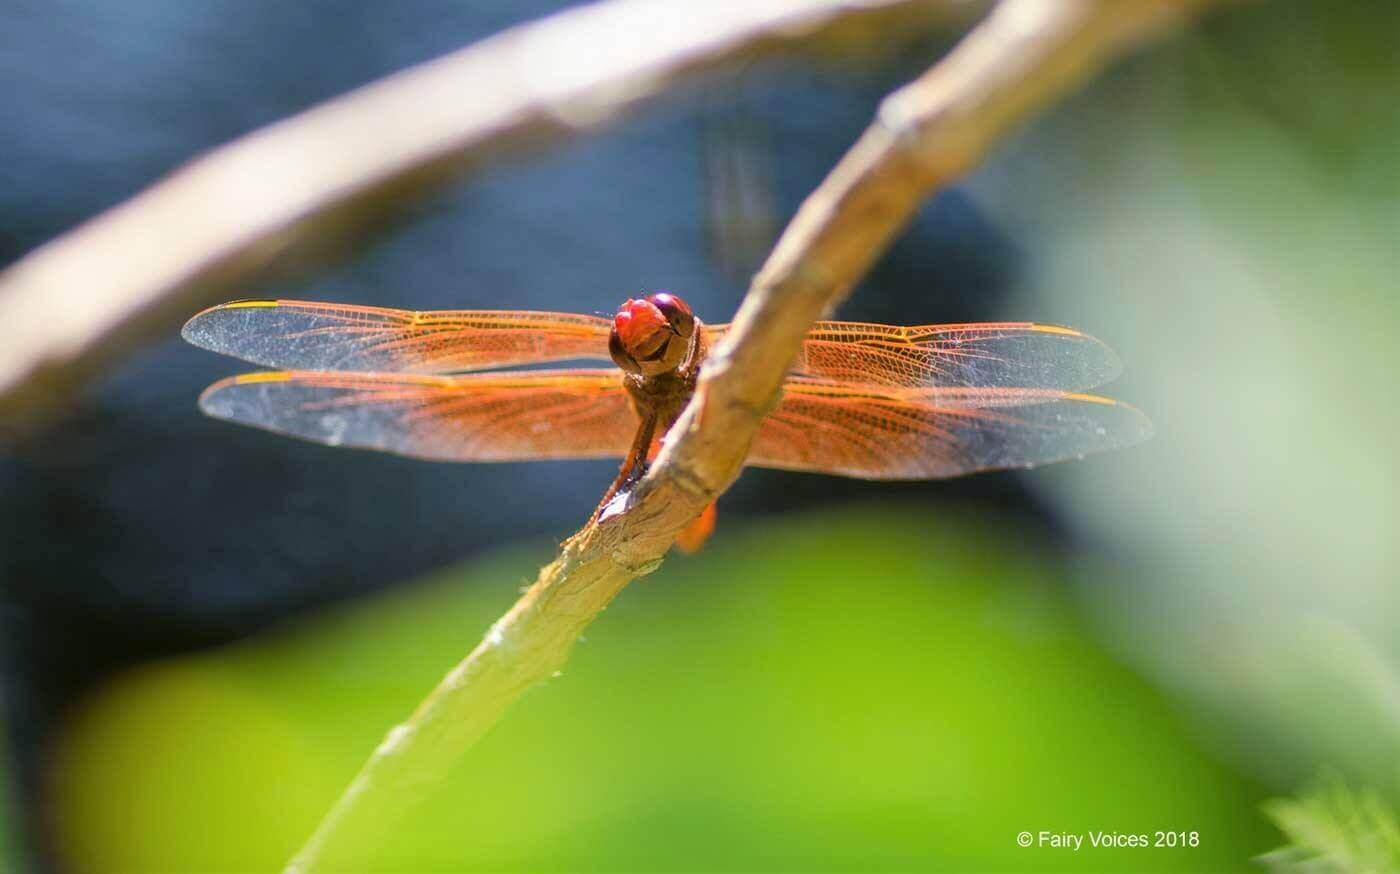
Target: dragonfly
x=862, y=400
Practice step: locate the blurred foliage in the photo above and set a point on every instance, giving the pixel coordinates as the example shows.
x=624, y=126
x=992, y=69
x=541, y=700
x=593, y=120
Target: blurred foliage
x=1336, y=829
x=863, y=690
x=1224, y=213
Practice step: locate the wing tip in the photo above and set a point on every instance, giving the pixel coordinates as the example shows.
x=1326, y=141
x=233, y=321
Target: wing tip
x=1112, y=365
x=196, y=330
x=1144, y=427
x=209, y=399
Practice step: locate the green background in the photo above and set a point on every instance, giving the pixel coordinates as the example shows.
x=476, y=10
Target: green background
x=866, y=689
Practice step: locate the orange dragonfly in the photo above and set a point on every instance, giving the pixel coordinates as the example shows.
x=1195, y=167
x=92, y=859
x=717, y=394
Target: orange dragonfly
x=869, y=401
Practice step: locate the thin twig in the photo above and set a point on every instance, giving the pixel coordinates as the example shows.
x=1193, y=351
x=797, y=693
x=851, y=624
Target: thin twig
x=303, y=190
x=934, y=130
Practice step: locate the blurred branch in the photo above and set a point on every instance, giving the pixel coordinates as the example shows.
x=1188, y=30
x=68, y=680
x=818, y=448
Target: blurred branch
x=927, y=134
x=302, y=191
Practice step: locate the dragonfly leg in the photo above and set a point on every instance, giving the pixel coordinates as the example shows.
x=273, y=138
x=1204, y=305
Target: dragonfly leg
x=634, y=466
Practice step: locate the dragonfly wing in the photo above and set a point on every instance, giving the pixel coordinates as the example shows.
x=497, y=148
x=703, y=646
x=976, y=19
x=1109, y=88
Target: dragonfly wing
x=869, y=432
x=302, y=335
x=991, y=354
x=478, y=417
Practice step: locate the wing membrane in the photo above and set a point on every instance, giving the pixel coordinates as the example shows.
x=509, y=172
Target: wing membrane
x=865, y=432
x=986, y=355
x=302, y=335
x=478, y=417
x=820, y=425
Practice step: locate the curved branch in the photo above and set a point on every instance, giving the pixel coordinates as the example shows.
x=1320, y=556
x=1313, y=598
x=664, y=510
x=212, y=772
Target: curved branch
x=1027, y=53
x=301, y=191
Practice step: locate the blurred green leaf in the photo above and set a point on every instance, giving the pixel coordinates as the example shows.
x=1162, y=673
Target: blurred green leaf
x=1336, y=829
x=864, y=690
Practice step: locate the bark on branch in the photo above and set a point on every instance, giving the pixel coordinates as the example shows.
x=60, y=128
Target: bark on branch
x=929, y=133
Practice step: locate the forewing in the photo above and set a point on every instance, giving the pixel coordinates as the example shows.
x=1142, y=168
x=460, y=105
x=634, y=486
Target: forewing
x=302, y=335
x=985, y=355
x=478, y=417
x=829, y=427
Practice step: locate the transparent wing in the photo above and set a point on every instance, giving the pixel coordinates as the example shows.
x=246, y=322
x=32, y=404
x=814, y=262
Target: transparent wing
x=477, y=417
x=302, y=335
x=987, y=355
x=866, y=432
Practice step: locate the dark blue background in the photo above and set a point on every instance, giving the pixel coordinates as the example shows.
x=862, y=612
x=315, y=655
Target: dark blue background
x=137, y=528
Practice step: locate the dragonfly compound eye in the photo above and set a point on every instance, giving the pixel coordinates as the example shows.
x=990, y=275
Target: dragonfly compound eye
x=676, y=311
x=644, y=340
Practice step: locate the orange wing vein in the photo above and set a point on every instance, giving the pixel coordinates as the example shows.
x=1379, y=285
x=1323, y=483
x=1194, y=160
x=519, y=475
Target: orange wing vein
x=986, y=355
x=517, y=416
x=869, y=432
x=301, y=335
x=820, y=425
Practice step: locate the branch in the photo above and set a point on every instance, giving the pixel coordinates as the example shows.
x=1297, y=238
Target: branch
x=299, y=192
x=926, y=135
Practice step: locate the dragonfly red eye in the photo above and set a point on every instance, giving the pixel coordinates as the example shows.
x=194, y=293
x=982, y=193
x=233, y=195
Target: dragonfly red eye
x=670, y=305
x=641, y=326
x=652, y=336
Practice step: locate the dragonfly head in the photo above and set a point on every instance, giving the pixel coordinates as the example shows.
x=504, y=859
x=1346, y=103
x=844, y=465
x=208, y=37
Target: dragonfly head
x=652, y=335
